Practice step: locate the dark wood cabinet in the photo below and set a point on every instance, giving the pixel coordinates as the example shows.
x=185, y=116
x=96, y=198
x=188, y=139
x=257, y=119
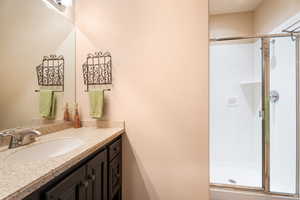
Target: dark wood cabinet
x=115, y=149
x=34, y=196
x=71, y=188
x=115, y=180
x=97, y=177
x=115, y=171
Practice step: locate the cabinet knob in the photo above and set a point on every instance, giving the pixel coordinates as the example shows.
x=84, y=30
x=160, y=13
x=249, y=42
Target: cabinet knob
x=92, y=177
x=85, y=184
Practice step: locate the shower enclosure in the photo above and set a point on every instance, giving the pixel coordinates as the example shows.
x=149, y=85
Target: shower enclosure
x=254, y=106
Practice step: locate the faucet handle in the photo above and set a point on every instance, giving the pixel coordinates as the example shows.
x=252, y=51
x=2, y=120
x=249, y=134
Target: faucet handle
x=19, y=136
x=9, y=131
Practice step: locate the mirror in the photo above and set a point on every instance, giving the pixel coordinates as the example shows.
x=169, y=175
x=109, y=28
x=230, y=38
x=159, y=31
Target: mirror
x=254, y=59
x=30, y=30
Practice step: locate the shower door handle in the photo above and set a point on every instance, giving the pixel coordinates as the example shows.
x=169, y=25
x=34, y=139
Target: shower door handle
x=261, y=114
x=274, y=96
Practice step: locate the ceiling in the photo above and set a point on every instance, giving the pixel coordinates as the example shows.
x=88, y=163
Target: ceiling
x=232, y=6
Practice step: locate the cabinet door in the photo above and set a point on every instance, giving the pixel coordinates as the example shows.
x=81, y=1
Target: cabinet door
x=97, y=176
x=33, y=196
x=115, y=177
x=71, y=188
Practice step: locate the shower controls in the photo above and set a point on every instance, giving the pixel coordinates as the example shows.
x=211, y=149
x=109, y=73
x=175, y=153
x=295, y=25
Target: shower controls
x=274, y=96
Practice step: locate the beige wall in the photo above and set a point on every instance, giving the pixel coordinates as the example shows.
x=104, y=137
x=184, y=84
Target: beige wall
x=267, y=16
x=272, y=13
x=29, y=31
x=160, y=88
x=230, y=25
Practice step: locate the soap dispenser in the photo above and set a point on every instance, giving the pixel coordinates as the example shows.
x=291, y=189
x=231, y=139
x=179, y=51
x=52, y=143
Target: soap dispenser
x=77, y=122
x=67, y=113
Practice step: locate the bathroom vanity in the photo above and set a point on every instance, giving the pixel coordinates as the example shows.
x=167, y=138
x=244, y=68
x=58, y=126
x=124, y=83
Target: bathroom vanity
x=92, y=171
x=97, y=177
x=38, y=85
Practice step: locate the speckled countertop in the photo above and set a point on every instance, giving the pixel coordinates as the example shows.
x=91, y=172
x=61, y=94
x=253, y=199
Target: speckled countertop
x=19, y=178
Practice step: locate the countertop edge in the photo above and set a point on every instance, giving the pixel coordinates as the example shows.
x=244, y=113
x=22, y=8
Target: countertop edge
x=38, y=183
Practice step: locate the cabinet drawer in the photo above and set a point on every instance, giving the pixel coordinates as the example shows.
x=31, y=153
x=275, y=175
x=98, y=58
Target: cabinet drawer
x=115, y=149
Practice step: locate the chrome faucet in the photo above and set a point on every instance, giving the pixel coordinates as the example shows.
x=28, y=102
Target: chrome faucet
x=20, y=137
x=15, y=139
x=29, y=136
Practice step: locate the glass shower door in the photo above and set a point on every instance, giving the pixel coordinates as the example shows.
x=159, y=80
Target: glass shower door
x=235, y=121
x=283, y=115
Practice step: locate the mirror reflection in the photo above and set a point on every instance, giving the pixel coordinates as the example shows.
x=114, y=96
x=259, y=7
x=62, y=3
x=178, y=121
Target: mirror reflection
x=32, y=32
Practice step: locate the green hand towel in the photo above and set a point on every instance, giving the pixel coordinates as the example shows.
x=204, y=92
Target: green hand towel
x=53, y=108
x=47, y=105
x=96, y=103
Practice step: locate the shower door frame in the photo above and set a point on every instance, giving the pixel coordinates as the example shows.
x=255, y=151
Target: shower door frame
x=265, y=43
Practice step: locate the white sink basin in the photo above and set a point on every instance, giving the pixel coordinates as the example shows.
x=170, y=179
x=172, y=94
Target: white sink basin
x=45, y=150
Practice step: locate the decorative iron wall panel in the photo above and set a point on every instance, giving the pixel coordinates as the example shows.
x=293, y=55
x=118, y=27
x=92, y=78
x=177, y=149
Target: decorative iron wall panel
x=51, y=71
x=97, y=70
